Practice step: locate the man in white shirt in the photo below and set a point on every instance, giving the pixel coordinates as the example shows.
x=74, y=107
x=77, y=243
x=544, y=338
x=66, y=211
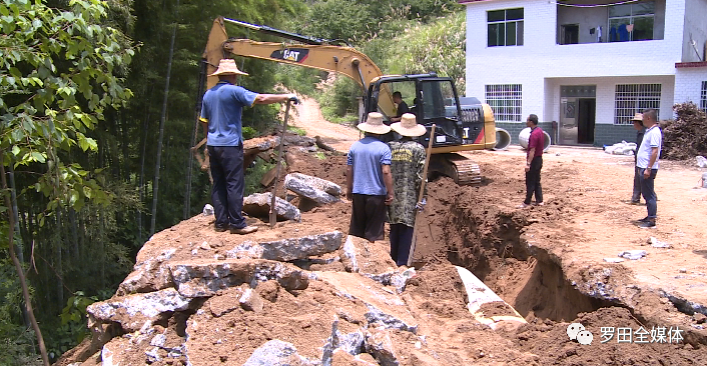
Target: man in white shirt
x=647, y=163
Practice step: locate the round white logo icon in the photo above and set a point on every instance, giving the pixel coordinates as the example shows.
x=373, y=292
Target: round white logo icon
x=585, y=337
x=573, y=329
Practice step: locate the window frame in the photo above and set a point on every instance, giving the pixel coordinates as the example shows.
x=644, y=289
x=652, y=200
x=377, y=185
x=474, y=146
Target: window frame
x=631, y=18
x=703, y=97
x=630, y=99
x=506, y=101
x=518, y=25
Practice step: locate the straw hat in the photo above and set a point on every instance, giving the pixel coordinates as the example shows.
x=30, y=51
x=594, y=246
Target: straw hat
x=638, y=117
x=408, y=126
x=227, y=66
x=374, y=124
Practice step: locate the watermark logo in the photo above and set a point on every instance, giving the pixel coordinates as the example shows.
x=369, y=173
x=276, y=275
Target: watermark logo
x=576, y=332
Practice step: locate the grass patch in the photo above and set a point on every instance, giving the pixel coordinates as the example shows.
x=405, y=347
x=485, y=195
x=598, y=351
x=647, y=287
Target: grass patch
x=320, y=155
x=297, y=130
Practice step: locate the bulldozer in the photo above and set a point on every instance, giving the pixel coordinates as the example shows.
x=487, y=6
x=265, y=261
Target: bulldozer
x=434, y=98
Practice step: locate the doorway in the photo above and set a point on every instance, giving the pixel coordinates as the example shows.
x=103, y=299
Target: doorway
x=570, y=34
x=577, y=115
x=587, y=115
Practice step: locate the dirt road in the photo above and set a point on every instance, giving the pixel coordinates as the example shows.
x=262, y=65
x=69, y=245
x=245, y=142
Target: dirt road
x=309, y=117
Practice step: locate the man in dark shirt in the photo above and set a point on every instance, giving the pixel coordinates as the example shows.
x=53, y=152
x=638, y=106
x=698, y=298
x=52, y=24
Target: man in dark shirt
x=534, y=162
x=402, y=106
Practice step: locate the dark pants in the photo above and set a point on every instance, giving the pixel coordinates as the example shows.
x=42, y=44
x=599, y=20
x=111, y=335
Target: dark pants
x=532, y=181
x=400, y=243
x=227, y=192
x=636, y=197
x=648, y=192
x=368, y=217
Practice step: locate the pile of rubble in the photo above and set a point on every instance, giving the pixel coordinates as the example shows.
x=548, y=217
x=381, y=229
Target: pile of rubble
x=685, y=137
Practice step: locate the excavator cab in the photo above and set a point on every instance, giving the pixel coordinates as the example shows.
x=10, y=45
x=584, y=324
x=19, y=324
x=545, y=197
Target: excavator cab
x=433, y=100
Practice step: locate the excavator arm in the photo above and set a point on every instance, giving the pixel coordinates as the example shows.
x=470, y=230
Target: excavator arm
x=346, y=61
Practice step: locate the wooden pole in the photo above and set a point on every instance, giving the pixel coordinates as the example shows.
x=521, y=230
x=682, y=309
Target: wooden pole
x=422, y=194
x=273, y=212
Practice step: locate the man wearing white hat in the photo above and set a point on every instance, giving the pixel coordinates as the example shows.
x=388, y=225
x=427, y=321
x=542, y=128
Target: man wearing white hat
x=368, y=180
x=407, y=163
x=221, y=110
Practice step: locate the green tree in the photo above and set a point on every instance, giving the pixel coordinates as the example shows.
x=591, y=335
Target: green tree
x=58, y=77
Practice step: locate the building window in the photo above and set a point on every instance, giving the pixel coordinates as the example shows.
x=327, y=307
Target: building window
x=506, y=100
x=635, y=98
x=505, y=27
x=703, y=99
x=631, y=22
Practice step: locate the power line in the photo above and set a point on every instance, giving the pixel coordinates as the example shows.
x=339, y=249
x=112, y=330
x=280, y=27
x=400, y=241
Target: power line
x=593, y=5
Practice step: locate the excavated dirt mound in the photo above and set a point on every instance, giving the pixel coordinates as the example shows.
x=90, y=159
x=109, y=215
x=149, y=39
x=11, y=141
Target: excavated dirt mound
x=525, y=256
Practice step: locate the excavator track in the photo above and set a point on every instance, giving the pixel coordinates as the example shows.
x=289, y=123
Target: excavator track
x=463, y=170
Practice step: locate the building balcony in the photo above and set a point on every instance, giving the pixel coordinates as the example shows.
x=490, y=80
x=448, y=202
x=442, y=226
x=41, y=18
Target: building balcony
x=596, y=21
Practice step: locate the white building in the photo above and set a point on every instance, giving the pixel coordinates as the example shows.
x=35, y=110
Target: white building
x=587, y=64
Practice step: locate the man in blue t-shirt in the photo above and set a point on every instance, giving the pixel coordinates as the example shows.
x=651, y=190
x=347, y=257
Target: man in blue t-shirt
x=647, y=162
x=221, y=110
x=369, y=181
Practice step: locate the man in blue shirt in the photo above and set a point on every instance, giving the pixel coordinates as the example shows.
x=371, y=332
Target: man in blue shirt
x=221, y=110
x=369, y=181
x=647, y=163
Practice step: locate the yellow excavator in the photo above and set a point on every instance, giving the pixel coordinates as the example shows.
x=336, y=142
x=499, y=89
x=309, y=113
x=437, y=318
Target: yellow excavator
x=434, y=98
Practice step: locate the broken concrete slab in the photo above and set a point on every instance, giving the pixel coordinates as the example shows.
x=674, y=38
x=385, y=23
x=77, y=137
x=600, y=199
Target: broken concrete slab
x=149, y=275
x=134, y=312
x=360, y=255
x=204, y=278
x=258, y=205
x=308, y=187
x=385, y=309
x=277, y=353
x=380, y=346
x=351, y=343
x=318, y=183
x=398, y=279
x=289, y=249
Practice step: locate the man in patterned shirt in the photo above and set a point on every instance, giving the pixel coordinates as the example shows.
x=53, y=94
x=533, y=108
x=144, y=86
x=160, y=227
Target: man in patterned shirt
x=407, y=163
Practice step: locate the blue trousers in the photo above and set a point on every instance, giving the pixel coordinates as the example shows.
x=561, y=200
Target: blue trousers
x=648, y=192
x=229, y=185
x=400, y=243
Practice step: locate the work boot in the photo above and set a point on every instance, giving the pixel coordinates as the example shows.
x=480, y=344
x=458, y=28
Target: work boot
x=244, y=230
x=220, y=229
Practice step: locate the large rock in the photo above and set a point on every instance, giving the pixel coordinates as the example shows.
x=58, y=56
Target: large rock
x=360, y=255
x=134, y=312
x=149, y=275
x=204, y=278
x=289, y=249
x=313, y=188
x=258, y=205
x=277, y=353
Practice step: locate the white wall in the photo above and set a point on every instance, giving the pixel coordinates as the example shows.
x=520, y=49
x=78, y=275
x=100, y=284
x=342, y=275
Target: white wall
x=688, y=84
x=542, y=57
x=606, y=92
x=695, y=25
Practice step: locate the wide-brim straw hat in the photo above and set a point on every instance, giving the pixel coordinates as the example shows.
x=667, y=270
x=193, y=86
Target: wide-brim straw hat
x=227, y=66
x=374, y=124
x=408, y=126
x=638, y=117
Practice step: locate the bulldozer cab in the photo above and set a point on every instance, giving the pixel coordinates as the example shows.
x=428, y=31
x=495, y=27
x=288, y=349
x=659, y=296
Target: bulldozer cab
x=433, y=100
